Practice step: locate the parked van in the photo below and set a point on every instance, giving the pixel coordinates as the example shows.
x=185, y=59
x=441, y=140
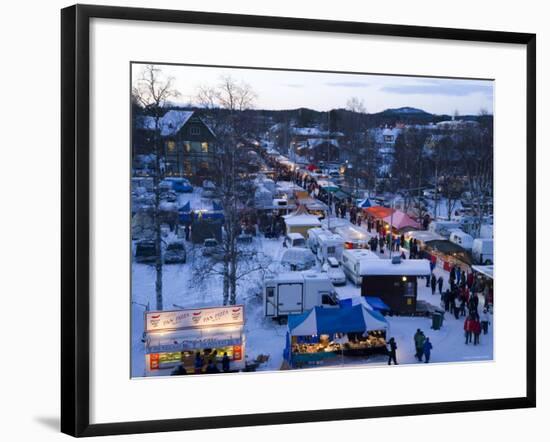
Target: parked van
x=482, y=251
x=294, y=240
x=293, y=293
x=329, y=245
x=351, y=259
x=313, y=238
x=462, y=239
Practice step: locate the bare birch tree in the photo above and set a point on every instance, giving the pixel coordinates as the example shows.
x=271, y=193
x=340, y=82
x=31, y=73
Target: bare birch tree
x=152, y=91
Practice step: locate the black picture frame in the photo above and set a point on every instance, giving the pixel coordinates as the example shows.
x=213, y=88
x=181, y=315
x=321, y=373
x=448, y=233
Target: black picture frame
x=75, y=212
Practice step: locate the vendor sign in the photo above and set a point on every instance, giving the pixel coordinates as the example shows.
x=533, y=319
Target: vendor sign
x=194, y=318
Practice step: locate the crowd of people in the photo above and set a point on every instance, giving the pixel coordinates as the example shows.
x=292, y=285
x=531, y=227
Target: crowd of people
x=204, y=365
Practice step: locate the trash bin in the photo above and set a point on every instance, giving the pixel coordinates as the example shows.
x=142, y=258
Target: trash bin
x=437, y=320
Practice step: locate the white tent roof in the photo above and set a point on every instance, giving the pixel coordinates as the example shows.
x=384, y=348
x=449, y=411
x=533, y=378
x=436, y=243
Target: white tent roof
x=302, y=220
x=408, y=267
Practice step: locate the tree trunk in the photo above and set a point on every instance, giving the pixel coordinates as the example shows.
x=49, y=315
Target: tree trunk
x=158, y=239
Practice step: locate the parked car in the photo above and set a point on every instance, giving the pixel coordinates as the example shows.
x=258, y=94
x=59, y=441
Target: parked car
x=334, y=271
x=145, y=252
x=211, y=247
x=181, y=185
x=175, y=253
x=294, y=240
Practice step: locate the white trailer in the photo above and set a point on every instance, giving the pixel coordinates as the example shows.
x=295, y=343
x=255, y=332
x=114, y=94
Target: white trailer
x=482, y=251
x=330, y=245
x=351, y=263
x=461, y=238
x=293, y=293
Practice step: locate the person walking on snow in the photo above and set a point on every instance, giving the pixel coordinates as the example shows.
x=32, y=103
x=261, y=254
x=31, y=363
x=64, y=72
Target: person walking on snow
x=392, y=352
x=433, y=282
x=427, y=350
x=440, y=284
x=484, y=317
x=468, y=329
x=419, y=340
x=476, y=329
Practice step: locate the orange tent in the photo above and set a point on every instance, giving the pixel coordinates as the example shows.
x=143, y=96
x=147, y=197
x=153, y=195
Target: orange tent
x=379, y=212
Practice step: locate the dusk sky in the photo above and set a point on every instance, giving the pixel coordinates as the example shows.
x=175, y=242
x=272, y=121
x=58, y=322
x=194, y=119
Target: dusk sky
x=325, y=91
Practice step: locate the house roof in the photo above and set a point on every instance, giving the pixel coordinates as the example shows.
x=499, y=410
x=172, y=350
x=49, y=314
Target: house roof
x=173, y=121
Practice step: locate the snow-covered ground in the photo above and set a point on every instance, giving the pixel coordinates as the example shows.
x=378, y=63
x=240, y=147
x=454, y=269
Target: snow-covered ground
x=264, y=336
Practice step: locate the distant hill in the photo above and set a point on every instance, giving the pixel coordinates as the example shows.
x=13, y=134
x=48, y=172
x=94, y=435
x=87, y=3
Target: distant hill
x=405, y=111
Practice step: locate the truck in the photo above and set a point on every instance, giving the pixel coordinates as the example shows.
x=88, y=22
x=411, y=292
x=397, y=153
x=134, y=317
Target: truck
x=482, y=251
x=292, y=293
x=461, y=238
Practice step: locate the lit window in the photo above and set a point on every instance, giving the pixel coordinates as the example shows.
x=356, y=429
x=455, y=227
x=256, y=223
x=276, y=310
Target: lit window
x=204, y=147
x=187, y=146
x=171, y=145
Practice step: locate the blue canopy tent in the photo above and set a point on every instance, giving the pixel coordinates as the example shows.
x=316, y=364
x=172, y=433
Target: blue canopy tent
x=377, y=304
x=365, y=204
x=355, y=319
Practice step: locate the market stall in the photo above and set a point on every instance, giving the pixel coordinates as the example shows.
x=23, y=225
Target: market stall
x=447, y=254
x=300, y=221
x=398, y=221
x=322, y=334
x=175, y=337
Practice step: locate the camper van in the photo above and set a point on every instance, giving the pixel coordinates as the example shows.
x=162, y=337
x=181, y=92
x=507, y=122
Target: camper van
x=293, y=293
x=462, y=239
x=351, y=263
x=329, y=245
x=482, y=251
x=313, y=238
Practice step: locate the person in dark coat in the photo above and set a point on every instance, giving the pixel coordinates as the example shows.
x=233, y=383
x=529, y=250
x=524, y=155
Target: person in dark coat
x=187, y=231
x=452, y=275
x=427, y=350
x=419, y=340
x=199, y=362
x=476, y=330
x=211, y=367
x=463, y=277
x=433, y=282
x=447, y=301
x=225, y=363
x=392, y=351
x=179, y=370
x=440, y=285
x=428, y=279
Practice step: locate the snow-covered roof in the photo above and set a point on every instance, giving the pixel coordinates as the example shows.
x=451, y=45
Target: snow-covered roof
x=302, y=220
x=485, y=270
x=314, y=142
x=385, y=267
x=361, y=254
x=170, y=123
x=424, y=235
x=173, y=121
x=306, y=131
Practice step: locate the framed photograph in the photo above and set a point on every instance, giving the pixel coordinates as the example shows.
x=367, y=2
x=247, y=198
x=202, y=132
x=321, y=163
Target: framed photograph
x=271, y=220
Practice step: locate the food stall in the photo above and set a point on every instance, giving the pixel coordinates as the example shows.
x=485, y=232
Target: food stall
x=174, y=337
x=323, y=334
